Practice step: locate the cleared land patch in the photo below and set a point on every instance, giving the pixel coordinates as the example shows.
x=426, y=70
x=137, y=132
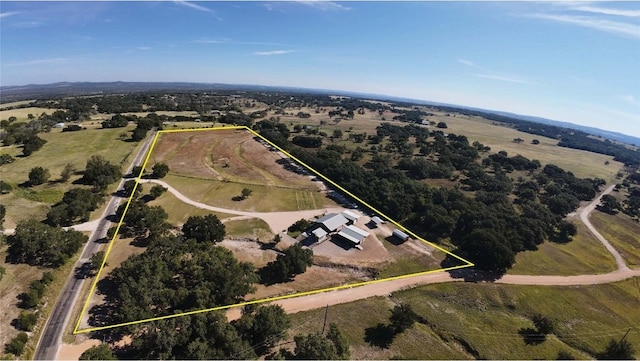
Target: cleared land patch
x=623, y=233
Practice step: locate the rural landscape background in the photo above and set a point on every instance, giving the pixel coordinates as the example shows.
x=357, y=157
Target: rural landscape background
x=145, y=190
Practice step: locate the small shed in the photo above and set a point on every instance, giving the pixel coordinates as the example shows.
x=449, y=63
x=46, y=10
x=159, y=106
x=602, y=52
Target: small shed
x=319, y=234
x=350, y=216
x=353, y=234
x=400, y=235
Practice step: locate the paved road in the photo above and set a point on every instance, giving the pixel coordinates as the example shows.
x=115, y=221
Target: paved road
x=51, y=337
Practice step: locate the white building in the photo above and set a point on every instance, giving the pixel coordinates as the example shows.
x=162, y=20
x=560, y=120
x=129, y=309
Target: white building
x=353, y=234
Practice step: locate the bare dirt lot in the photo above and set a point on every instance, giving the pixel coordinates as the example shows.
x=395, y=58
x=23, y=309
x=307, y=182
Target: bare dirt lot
x=226, y=155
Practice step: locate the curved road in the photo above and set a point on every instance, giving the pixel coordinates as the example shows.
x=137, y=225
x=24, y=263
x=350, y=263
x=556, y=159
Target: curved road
x=51, y=337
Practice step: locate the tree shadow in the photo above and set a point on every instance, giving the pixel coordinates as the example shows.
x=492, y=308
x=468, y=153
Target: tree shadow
x=531, y=336
x=380, y=335
x=470, y=274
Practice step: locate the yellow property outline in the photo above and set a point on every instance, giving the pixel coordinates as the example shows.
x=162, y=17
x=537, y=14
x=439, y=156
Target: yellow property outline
x=270, y=299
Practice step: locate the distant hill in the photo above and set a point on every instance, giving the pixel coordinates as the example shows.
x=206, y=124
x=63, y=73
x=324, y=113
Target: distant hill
x=37, y=91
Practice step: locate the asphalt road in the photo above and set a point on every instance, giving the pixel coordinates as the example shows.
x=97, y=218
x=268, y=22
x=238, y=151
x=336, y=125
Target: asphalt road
x=51, y=337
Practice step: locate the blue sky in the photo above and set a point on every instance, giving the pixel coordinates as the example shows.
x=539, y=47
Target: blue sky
x=570, y=61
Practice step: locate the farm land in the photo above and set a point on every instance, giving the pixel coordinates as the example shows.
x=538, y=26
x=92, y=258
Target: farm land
x=584, y=255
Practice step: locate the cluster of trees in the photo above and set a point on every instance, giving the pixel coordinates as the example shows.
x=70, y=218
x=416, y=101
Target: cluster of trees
x=293, y=261
x=307, y=141
x=75, y=206
x=99, y=173
x=38, y=244
x=23, y=133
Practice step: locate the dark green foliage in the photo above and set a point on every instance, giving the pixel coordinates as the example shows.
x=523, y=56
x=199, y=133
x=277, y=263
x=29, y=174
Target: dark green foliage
x=616, y=350
x=292, y=262
x=138, y=134
x=300, y=225
x=156, y=191
x=27, y=320
x=72, y=128
x=100, y=173
x=608, y=204
x=96, y=260
x=136, y=170
x=263, y=327
x=314, y=347
x=173, y=275
x=140, y=219
x=16, y=345
x=129, y=186
x=488, y=249
x=402, y=317
x=5, y=187
x=38, y=175
x=76, y=205
x=340, y=341
x=32, y=144
x=117, y=121
x=6, y=159
x=3, y=213
x=543, y=324
x=307, y=141
x=204, y=228
x=159, y=170
x=442, y=125
x=2, y=272
x=38, y=244
x=100, y=352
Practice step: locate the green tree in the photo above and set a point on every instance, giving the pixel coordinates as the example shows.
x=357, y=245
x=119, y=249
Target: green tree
x=609, y=204
x=204, y=228
x=67, y=172
x=156, y=191
x=5, y=187
x=159, y=170
x=100, y=352
x=337, y=133
x=616, y=350
x=6, y=159
x=99, y=172
x=314, y=346
x=402, y=317
x=263, y=327
x=27, y=320
x=32, y=144
x=340, y=342
x=129, y=186
x=246, y=192
x=16, y=345
x=543, y=324
x=3, y=212
x=96, y=260
x=38, y=175
x=136, y=170
x=292, y=262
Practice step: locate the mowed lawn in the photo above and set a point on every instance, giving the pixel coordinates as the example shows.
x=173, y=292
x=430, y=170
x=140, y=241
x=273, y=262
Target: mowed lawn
x=262, y=198
x=61, y=148
x=467, y=321
x=622, y=232
x=177, y=210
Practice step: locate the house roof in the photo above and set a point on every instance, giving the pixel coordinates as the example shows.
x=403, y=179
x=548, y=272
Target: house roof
x=377, y=220
x=332, y=221
x=398, y=233
x=350, y=215
x=319, y=232
x=353, y=234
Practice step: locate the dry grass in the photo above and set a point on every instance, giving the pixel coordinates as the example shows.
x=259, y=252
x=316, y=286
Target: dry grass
x=23, y=113
x=179, y=211
x=583, y=255
x=622, y=232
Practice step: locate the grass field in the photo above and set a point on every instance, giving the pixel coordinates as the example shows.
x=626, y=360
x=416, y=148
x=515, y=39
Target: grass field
x=623, y=233
x=262, y=198
x=179, y=211
x=253, y=228
x=466, y=321
x=22, y=114
x=583, y=255
x=61, y=148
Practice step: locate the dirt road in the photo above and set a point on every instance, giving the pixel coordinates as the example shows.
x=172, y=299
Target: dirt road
x=277, y=221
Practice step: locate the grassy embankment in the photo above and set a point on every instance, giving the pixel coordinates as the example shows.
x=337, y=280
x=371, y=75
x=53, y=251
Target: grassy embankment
x=465, y=321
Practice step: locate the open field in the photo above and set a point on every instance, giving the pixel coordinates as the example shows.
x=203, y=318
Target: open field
x=61, y=148
x=482, y=320
x=178, y=211
x=583, y=255
x=15, y=104
x=623, y=233
x=262, y=199
x=23, y=113
x=253, y=228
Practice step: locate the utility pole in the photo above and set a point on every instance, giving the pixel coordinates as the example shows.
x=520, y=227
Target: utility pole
x=622, y=339
x=326, y=311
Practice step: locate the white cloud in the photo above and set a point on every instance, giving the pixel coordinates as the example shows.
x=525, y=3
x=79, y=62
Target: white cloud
x=192, y=5
x=232, y=42
x=7, y=14
x=608, y=11
x=614, y=27
x=323, y=5
x=490, y=74
x=504, y=78
x=630, y=99
x=273, y=52
x=39, y=61
x=143, y=48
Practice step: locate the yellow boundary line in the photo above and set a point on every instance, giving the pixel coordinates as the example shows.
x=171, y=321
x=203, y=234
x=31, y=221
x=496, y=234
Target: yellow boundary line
x=270, y=299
